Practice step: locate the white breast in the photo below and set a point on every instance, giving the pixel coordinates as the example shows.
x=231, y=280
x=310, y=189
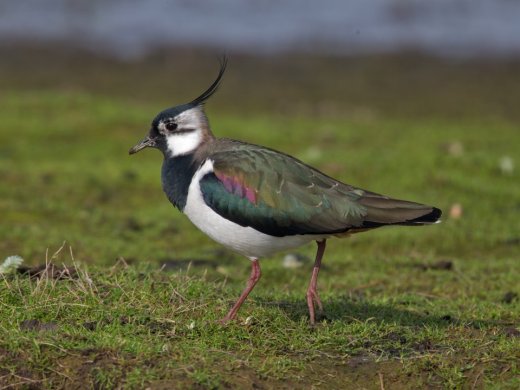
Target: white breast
x=244, y=240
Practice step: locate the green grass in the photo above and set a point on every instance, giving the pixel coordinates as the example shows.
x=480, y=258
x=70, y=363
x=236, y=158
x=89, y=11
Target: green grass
x=389, y=319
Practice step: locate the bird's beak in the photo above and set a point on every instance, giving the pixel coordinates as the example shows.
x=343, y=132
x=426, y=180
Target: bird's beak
x=145, y=143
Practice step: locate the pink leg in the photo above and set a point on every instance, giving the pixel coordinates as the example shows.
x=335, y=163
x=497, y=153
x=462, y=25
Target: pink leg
x=253, y=278
x=312, y=293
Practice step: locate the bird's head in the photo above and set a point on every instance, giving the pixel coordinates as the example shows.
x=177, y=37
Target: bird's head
x=181, y=129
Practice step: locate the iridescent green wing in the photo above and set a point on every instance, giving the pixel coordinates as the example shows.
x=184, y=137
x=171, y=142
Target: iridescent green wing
x=279, y=195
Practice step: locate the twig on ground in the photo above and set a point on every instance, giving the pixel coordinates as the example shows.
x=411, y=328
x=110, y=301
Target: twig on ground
x=381, y=381
x=474, y=385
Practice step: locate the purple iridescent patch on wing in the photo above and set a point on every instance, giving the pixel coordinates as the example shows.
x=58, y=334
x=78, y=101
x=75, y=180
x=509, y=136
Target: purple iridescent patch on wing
x=235, y=186
x=251, y=195
x=227, y=181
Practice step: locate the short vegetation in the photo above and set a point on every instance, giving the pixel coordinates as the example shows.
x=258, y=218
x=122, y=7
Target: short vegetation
x=119, y=290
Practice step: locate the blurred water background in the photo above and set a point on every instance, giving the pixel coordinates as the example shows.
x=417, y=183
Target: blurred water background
x=130, y=28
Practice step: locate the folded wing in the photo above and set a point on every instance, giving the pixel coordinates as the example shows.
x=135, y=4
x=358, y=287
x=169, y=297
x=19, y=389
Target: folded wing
x=279, y=195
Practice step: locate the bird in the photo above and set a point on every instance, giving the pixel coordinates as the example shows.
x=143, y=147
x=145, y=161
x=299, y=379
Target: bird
x=257, y=201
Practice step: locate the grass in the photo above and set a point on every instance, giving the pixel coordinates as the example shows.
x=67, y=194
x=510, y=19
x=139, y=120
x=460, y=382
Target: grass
x=404, y=307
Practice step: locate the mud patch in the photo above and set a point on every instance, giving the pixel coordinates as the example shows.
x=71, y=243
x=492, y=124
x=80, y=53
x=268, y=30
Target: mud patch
x=441, y=265
x=511, y=331
x=50, y=271
x=360, y=372
x=512, y=241
x=133, y=225
x=90, y=325
x=509, y=297
x=38, y=326
x=100, y=368
x=357, y=372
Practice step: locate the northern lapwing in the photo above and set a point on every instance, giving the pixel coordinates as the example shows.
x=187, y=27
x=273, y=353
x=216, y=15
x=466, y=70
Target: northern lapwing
x=258, y=201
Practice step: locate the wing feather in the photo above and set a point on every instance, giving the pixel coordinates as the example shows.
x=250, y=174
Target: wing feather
x=279, y=195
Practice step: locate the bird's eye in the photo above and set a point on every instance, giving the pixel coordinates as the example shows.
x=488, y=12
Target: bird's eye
x=170, y=126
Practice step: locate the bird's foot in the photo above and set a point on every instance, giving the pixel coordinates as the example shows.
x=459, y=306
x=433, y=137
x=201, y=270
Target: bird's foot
x=312, y=298
x=225, y=320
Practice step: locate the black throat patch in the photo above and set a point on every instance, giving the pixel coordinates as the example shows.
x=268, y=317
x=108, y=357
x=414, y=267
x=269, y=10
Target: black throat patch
x=176, y=176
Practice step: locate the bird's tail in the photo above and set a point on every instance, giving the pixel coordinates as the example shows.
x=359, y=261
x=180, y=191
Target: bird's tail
x=382, y=211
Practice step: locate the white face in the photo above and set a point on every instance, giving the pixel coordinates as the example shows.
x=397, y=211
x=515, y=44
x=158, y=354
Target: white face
x=189, y=133
x=183, y=143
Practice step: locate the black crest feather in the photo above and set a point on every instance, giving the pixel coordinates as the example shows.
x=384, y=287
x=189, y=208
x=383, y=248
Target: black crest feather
x=213, y=87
